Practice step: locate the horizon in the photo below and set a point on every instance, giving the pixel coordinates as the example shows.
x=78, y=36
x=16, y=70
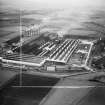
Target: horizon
x=51, y=4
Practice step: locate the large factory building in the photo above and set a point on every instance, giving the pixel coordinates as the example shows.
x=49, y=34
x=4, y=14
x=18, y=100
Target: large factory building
x=47, y=51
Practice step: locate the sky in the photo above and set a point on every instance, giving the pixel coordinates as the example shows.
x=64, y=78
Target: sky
x=35, y=4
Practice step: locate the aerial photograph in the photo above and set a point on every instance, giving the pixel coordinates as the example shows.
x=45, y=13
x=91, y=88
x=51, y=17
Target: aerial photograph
x=52, y=52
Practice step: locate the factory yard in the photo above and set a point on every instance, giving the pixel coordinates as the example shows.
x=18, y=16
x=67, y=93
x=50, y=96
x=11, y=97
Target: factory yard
x=60, y=41
x=47, y=51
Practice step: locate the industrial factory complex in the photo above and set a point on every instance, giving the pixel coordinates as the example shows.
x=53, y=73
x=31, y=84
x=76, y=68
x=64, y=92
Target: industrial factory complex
x=46, y=51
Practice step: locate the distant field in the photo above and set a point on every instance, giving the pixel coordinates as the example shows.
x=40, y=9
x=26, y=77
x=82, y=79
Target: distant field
x=70, y=22
x=10, y=24
x=5, y=22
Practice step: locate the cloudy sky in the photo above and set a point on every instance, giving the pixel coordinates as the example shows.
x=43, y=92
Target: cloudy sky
x=34, y=4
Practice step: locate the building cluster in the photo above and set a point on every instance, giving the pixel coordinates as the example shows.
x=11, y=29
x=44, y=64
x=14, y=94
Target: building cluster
x=46, y=50
x=69, y=52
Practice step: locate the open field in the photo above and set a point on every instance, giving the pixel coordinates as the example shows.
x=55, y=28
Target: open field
x=66, y=21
